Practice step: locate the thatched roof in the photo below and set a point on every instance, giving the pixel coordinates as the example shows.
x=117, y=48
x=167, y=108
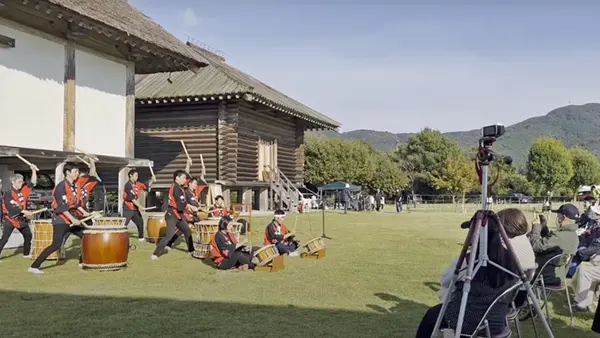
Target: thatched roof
x=121, y=15
x=221, y=79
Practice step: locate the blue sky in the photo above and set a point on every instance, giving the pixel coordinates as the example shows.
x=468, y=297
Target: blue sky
x=401, y=67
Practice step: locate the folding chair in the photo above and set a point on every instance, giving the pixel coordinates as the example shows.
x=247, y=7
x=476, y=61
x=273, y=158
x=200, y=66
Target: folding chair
x=483, y=328
x=538, y=284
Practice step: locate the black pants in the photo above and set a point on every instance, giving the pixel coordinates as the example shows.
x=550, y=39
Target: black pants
x=178, y=233
x=174, y=224
x=7, y=230
x=286, y=248
x=60, y=230
x=136, y=217
x=428, y=322
x=63, y=252
x=237, y=259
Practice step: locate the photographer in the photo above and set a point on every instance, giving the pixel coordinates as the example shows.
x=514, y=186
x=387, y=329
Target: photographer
x=487, y=284
x=516, y=227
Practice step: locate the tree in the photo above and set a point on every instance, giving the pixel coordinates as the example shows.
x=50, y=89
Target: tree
x=423, y=155
x=586, y=168
x=457, y=176
x=549, y=164
x=320, y=161
x=388, y=177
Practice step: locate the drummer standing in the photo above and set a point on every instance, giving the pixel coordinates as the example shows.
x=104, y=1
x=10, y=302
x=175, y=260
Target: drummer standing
x=86, y=182
x=131, y=206
x=175, y=214
x=15, y=213
x=65, y=203
x=191, y=195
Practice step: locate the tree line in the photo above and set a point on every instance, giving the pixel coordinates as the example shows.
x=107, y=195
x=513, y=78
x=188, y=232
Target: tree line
x=431, y=163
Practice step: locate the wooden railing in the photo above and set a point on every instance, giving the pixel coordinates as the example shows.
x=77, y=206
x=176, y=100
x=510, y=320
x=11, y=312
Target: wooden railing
x=284, y=194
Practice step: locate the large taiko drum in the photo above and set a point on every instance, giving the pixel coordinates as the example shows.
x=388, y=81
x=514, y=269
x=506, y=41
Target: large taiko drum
x=42, y=238
x=105, y=247
x=156, y=227
x=266, y=254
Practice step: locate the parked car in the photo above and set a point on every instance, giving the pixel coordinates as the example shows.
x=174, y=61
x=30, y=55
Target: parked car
x=519, y=198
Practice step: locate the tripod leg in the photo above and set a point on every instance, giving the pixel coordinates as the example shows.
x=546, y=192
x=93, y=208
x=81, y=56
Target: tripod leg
x=532, y=319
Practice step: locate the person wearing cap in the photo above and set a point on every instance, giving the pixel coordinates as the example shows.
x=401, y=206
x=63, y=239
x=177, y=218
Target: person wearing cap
x=547, y=244
x=275, y=234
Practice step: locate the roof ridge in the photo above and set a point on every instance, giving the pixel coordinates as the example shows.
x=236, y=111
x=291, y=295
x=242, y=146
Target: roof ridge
x=218, y=64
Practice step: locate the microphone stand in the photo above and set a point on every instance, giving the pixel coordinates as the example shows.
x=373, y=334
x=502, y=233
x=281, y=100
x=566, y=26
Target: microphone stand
x=324, y=235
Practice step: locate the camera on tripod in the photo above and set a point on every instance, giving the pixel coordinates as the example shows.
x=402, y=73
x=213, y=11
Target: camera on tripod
x=493, y=131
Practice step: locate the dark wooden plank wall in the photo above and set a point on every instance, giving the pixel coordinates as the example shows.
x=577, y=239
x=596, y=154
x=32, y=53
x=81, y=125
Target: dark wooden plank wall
x=257, y=121
x=227, y=132
x=299, y=176
x=159, y=129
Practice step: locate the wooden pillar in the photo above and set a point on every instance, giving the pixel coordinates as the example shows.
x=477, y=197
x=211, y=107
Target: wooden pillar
x=5, y=174
x=263, y=202
x=226, y=193
x=130, y=111
x=247, y=196
x=70, y=90
x=123, y=177
x=58, y=173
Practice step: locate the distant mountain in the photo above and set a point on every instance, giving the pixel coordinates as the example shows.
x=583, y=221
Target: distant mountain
x=574, y=125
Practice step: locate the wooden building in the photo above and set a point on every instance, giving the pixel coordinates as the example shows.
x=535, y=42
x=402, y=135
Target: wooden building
x=243, y=129
x=67, y=79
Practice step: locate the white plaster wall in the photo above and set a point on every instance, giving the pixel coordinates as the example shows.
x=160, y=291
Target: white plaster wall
x=100, y=105
x=31, y=91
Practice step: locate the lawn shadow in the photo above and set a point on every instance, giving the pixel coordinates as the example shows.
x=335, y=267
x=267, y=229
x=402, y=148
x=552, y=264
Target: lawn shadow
x=145, y=317
x=435, y=286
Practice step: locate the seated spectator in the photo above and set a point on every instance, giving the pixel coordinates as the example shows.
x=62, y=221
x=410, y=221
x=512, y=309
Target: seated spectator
x=487, y=285
x=547, y=244
x=516, y=227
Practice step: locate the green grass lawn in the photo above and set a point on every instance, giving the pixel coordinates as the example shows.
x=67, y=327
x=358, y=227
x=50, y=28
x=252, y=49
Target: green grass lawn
x=378, y=279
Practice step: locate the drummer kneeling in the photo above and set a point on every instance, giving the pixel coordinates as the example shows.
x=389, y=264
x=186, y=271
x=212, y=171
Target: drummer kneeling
x=277, y=233
x=225, y=250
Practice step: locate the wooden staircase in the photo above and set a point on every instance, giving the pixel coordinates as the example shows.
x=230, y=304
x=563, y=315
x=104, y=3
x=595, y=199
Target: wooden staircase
x=284, y=194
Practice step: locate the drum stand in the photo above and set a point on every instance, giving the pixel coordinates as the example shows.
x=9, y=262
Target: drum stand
x=275, y=265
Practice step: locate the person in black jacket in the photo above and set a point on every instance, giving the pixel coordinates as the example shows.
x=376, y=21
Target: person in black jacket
x=225, y=252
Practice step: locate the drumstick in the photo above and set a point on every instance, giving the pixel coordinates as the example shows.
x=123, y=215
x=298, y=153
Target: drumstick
x=185, y=149
x=82, y=160
x=33, y=166
x=288, y=235
x=150, y=208
x=152, y=172
x=240, y=244
x=38, y=211
x=93, y=157
x=93, y=215
x=203, y=167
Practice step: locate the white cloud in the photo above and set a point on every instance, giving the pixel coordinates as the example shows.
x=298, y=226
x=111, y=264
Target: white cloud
x=190, y=18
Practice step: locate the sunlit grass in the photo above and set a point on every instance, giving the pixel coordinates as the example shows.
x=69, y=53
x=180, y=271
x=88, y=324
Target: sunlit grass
x=377, y=280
